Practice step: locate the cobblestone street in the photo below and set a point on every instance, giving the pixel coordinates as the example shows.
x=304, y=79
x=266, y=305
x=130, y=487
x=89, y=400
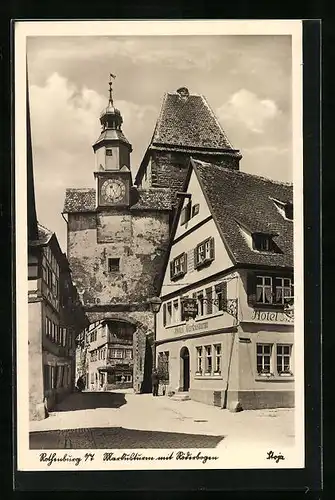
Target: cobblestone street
x=124, y=420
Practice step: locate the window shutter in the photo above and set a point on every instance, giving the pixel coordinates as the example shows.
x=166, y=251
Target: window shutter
x=195, y=257
x=164, y=314
x=171, y=269
x=183, y=216
x=188, y=211
x=224, y=295
x=251, y=288
x=185, y=263
x=212, y=249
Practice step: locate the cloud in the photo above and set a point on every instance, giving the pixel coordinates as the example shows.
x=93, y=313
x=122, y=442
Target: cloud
x=167, y=51
x=65, y=124
x=246, y=108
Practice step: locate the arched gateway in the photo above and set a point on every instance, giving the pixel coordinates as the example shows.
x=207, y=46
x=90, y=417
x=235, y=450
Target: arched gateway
x=115, y=351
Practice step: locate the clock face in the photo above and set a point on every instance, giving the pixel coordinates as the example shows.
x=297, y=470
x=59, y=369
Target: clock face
x=113, y=190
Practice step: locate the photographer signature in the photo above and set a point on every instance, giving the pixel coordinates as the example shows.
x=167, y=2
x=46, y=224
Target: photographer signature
x=276, y=458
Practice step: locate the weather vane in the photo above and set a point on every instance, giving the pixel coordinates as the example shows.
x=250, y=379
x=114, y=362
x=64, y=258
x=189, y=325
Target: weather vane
x=110, y=86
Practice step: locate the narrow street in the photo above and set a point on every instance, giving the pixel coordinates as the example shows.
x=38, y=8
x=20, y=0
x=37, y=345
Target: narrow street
x=124, y=420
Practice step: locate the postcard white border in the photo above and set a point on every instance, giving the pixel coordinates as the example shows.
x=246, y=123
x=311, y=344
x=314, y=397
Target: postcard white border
x=28, y=460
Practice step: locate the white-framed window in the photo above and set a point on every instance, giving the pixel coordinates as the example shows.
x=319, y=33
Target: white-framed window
x=175, y=311
x=204, y=252
x=169, y=313
x=129, y=354
x=199, y=350
x=178, y=266
x=283, y=288
x=284, y=352
x=264, y=290
x=209, y=300
x=217, y=359
x=200, y=299
x=208, y=360
x=264, y=359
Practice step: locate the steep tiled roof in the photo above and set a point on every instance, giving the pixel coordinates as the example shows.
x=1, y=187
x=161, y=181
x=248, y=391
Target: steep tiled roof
x=153, y=198
x=84, y=200
x=44, y=236
x=235, y=198
x=79, y=200
x=188, y=123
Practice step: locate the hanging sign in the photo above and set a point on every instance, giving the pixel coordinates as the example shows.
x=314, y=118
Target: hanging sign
x=189, y=308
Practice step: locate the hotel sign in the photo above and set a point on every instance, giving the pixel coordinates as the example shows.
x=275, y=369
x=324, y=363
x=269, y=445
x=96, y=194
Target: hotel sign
x=270, y=317
x=189, y=308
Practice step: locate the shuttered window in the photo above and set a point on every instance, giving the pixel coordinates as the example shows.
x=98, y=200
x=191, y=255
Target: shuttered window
x=204, y=252
x=178, y=266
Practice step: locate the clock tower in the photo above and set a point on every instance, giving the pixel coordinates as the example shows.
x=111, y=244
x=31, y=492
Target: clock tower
x=112, y=155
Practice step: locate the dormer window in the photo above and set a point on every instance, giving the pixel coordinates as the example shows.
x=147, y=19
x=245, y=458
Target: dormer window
x=262, y=242
x=284, y=208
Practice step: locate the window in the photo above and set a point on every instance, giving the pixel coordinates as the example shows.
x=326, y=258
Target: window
x=204, y=253
x=284, y=359
x=264, y=289
x=283, y=289
x=262, y=242
x=217, y=359
x=269, y=290
x=176, y=312
x=199, y=360
x=264, y=352
x=208, y=359
x=109, y=152
x=195, y=209
x=129, y=354
x=178, y=267
x=164, y=314
x=117, y=353
x=169, y=313
x=113, y=265
x=200, y=297
x=93, y=336
x=185, y=214
x=209, y=300
x=221, y=296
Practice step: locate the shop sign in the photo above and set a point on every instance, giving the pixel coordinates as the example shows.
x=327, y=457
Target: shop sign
x=194, y=327
x=271, y=317
x=189, y=308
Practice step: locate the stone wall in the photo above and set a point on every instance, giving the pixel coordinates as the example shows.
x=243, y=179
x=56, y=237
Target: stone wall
x=138, y=239
x=169, y=169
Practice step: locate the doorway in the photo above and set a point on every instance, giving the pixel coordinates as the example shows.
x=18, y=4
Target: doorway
x=185, y=369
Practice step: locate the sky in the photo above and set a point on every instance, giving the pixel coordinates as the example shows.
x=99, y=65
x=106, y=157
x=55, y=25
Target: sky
x=247, y=81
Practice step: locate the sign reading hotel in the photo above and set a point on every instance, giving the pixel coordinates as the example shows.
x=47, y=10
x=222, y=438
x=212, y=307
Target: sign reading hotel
x=270, y=317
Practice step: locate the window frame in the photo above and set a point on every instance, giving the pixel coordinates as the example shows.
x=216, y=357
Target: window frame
x=207, y=252
x=181, y=262
x=252, y=289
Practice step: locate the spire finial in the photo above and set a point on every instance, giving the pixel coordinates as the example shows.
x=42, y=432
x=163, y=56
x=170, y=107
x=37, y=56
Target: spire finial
x=110, y=83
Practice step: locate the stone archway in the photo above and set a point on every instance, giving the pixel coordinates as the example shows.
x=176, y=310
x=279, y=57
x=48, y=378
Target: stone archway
x=142, y=345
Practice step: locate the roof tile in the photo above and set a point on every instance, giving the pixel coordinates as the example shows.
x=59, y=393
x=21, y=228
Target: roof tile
x=189, y=123
x=237, y=197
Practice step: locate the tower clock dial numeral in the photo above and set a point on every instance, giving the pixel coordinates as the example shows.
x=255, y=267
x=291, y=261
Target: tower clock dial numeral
x=113, y=190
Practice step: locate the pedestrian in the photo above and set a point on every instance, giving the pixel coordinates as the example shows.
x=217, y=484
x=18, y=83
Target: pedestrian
x=80, y=384
x=155, y=382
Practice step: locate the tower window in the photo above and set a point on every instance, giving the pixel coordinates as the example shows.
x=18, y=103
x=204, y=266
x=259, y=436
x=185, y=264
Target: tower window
x=109, y=152
x=113, y=265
